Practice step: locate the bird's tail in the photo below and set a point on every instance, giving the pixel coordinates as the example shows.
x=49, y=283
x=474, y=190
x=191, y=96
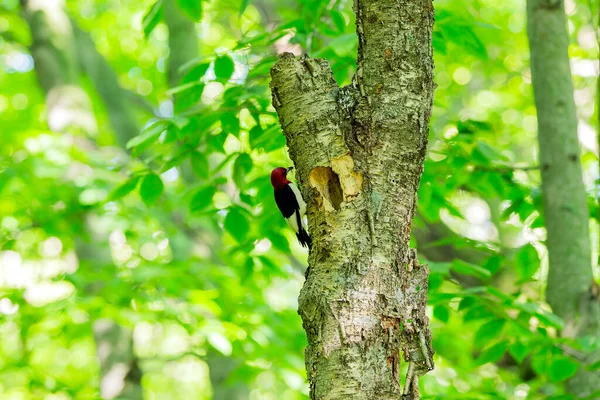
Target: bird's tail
x=302, y=235
x=303, y=238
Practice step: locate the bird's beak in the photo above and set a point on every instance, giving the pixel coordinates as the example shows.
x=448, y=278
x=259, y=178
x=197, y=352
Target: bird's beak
x=288, y=169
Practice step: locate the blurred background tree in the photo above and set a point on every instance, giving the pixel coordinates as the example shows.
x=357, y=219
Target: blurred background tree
x=142, y=252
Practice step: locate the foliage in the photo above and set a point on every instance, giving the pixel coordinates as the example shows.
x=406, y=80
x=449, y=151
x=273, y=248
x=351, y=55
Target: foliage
x=177, y=235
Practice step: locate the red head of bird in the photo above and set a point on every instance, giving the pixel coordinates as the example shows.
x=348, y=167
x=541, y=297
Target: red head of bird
x=279, y=177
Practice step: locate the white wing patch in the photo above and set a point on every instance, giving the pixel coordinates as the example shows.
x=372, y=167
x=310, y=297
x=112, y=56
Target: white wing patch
x=299, y=198
x=293, y=219
x=293, y=222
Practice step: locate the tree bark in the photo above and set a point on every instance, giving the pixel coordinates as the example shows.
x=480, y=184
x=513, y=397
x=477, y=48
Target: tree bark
x=570, y=290
x=359, y=155
x=183, y=41
x=70, y=111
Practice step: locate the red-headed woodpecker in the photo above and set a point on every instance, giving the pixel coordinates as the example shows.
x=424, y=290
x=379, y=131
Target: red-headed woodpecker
x=290, y=203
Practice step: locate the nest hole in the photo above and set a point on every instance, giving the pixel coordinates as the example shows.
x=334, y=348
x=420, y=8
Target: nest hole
x=327, y=184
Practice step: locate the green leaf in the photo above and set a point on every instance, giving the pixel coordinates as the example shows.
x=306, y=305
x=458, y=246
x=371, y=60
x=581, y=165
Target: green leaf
x=488, y=332
x=465, y=268
x=562, y=368
x=476, y=313
x=539, y=362
x=441, y=313
x=527, y=262
x=493, y=264
x=152, y=18
x=216, y=142
x=489, y=153
x=466, y=303
x=442, y=268
x=193, y=8
x=274, y=143
x=151, y=189
x=473, y=290
x=499, y=294
x=344, y=44
x=246, y=198
x=519, y=351
x=269, y=139
x=279, y=241
x=338, y=20
x=123, y=189
x=183, y=88
x=196, y=73
x=224, y=67
x=243, y=6
x=594, y=366
x=148, y=136
x=492, y=354
x=192, y=132
x=439, y=43
x=200, y=165
x=538, y=222
x=220, y=343
x=237, y=225
x=230, y=123
x=241, y=167
x=202, y=199
x=179, y=121
x=170, y=135
x=256, y=136
x=458, y=30
x=471, y=126
x=176, y=160
x=550, y=319
x=248, y=269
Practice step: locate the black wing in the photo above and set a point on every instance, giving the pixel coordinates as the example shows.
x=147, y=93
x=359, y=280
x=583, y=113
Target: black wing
x=286, y=201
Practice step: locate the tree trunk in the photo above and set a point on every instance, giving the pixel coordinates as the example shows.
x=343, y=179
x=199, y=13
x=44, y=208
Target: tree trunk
x=106, y=83
x=183, y=41
x=570, y=290
x=70, y=111
x=69, y=108
x=359, y=155
x=121, y=374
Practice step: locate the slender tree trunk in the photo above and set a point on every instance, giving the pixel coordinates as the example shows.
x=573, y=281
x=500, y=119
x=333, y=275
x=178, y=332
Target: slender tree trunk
x=183, y=49
x=53, y=49
x=70, y=111
x=597, y=182
x=359, y=155
x=121, y=374
x=183, y=41
x=570, y=290
x=106, y=83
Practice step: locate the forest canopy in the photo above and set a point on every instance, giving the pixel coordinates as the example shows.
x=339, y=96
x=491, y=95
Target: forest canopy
x=142, y=254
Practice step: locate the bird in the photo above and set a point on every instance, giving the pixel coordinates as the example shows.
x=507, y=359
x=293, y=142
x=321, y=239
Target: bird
x=291, y=204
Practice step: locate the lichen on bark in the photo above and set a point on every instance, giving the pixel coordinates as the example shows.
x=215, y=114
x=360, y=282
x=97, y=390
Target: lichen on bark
x=359, y=153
